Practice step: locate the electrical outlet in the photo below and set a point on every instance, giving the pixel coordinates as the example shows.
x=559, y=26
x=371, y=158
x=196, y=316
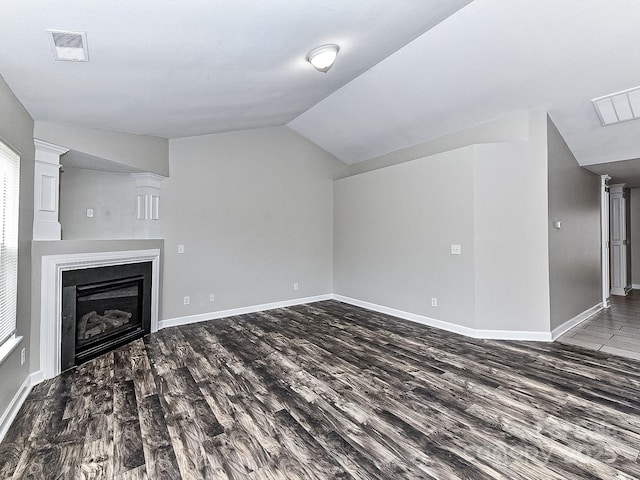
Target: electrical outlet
x=295, y=286
x=434, y=302
x=212, y=297
x=23, y=356
x=187, y=300
x=456, y=250
x=180, y=248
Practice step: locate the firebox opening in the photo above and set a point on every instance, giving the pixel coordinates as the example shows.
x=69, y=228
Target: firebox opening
x=102, y=309
x=106, y=310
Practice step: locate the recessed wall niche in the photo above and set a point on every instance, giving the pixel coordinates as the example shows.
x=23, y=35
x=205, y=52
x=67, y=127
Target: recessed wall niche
x=110, y=195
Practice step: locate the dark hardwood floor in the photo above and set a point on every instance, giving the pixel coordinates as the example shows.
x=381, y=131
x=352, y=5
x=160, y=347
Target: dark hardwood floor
x=328, y=391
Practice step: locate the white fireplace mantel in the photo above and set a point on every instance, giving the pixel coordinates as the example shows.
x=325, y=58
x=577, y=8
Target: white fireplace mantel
x=51, y=293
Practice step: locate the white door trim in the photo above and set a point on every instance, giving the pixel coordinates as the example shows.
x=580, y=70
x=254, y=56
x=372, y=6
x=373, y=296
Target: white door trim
x=604, y=241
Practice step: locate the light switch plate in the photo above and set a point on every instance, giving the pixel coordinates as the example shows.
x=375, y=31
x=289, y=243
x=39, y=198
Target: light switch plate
x=89, y=212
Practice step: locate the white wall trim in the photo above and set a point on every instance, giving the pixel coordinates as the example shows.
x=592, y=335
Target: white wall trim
x=37, y=377
x=51, y=293
x=450, y=327
x=635, y=286
x=581, y=317
x=9, y=415
x=432, y=322
x=203, y=317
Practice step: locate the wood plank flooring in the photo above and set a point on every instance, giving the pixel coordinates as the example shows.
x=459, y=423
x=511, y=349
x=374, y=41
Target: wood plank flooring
x=331, y=391
x=613, y=330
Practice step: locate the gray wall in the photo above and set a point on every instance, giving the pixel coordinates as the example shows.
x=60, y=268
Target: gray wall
x=16, y=129
x=254, y=210
x=634, y=225
x=574, y=250
x=148, y=154
x=510, y=128
x=510, y=213
x=112, y=197
x=394, y=227
x=393, y=233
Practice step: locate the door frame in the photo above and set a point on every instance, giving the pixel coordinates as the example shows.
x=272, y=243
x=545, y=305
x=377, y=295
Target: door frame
x=604, y=240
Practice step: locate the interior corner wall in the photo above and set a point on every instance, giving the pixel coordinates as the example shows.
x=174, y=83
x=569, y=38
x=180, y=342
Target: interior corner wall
x=394, y=227
x=111, y=196
x=574, y=249
x=393, y=231
x=16, y=130
x=254, y=211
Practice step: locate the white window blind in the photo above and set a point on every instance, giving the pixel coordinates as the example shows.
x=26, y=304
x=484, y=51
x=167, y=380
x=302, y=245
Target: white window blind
x=9, y=194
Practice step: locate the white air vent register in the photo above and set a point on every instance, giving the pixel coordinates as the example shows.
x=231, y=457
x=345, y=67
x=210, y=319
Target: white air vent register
x=618, y=107
x=69, y=46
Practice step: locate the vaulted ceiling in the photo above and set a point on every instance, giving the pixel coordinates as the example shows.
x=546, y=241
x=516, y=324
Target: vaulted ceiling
x=408, y=70
x=174, y=68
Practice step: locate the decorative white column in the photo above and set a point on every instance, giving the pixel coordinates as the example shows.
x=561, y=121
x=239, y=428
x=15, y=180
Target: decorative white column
x=46, y=192
x=147, y=205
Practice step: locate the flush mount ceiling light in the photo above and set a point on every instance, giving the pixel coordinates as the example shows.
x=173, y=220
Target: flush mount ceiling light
x=618, y=107
x=68, y=46
x=323, y=57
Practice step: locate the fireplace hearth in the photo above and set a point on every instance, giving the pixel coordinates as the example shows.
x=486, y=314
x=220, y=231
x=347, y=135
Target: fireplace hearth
x=102, y=309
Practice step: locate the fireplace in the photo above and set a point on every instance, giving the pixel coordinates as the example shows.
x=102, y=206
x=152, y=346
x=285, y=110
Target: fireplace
x=102, y=309
x=54, y=266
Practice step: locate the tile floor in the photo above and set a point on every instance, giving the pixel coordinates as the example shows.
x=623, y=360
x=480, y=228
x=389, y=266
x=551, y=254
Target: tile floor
x=615, y=330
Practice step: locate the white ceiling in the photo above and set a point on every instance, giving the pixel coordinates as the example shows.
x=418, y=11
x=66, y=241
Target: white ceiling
x=170, y=68
x=174, y=68
x=492, y=57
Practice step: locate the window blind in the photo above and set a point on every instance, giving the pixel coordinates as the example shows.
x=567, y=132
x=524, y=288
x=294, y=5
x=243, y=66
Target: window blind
x=9, y=196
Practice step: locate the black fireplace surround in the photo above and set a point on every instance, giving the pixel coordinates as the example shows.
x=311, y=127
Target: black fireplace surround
x=102, y=309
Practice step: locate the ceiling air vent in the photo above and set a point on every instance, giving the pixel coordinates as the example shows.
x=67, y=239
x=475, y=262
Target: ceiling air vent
x=69, y=46
x=618, y=107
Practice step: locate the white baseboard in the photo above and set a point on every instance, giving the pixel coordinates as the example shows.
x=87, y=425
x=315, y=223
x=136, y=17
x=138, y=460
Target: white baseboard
x=9, y=415
x=635, y=286
x=37, y=377
x=450, y=327
x=203, y=317
x=569, y=324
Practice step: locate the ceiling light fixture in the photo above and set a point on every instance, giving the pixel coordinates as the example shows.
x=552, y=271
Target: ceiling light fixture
x=323, y=57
